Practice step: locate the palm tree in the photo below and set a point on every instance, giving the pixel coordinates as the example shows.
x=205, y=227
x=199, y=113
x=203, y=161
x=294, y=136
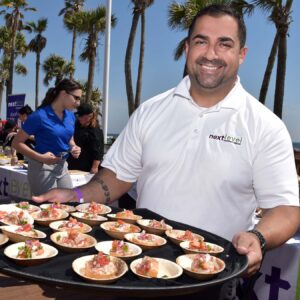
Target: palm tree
x=5, y=47
x=280, y=15
x=181, y=16
x=71, y=7
x=56, y=67
x=91, y=23
x=14, y=21
x=37, y=44
x=138, y=11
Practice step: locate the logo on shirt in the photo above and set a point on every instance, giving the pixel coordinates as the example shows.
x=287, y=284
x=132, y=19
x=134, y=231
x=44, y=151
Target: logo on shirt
x=226, y=138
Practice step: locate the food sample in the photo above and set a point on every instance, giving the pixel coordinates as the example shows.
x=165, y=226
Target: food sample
x=28, y=230
x=120, y=248
x=101, y=267
x=14, y=217
x=73, y=239
x=72, y=224
x=204, y=263
x=147, y=267
x=127, y=214
x=31, y=249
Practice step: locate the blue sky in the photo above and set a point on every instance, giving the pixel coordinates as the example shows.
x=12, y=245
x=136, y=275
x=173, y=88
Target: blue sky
x=161, y=72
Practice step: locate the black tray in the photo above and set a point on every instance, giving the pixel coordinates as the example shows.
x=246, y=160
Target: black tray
x=58, y=271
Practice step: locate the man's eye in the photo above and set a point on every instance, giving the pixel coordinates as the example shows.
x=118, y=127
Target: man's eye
x=225, y=45
x=199, y=42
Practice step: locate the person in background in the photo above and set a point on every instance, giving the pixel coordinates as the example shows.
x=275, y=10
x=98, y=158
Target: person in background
x=24, y=112
x=52, y=125
x=89, y=137
x=206, y=152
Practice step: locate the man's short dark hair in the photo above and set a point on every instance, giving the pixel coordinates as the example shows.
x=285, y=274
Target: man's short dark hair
x=219, y=10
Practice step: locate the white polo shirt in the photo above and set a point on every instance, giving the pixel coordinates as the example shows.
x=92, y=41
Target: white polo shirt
x=209, y=168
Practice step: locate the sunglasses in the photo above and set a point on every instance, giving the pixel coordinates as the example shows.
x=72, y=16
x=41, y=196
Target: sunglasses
x=77, y=98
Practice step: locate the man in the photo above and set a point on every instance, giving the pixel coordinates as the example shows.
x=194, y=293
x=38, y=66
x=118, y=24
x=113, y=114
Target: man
x=206, y=153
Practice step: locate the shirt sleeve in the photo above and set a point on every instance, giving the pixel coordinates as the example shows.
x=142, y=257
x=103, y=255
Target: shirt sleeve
x=32, y=124
x=124, y=157
x=274, y=172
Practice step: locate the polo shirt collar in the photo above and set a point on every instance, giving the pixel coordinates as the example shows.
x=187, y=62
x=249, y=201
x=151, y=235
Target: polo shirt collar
x=233, y=100
x=52, y=113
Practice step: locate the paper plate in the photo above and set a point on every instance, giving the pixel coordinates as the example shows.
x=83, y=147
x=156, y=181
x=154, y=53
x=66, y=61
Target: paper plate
x=11, y=209
x=146, y=225
x=106, y=246
x=14, y=236
x=166, y=268
x=115, y=232
x=57, y=238
x=94, y=207
x=132, y=219
x=62, y=225
x=156, y=240
x=212, y=249
x=90, y=219
x=62, y=214
x=66, y=207
x=78, y=266
x=3, y=239
x=12, y=252
x=185, y=261
x=176, y=236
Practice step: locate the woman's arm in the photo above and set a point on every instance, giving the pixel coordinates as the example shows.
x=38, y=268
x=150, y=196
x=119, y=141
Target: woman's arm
x=19, y=144
x=74, y=149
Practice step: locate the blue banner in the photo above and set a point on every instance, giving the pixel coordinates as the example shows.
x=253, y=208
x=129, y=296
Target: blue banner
x=15, y=102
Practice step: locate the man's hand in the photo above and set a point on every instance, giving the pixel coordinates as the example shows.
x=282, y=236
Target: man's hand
x=247, y=243
x=56, y=195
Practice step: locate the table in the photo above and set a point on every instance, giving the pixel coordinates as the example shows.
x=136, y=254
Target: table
x=280, y=273
x=14, y=182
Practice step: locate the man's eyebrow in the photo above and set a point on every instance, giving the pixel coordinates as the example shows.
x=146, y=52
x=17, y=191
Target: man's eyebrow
x=226, y=39
x=199, y=36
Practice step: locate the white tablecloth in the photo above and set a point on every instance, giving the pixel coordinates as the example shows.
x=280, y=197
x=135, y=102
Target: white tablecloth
x=14, y=182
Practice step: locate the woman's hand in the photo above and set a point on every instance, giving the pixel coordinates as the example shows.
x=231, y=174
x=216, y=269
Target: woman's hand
x=247, y=243
x=75, y=151
x=49, y=158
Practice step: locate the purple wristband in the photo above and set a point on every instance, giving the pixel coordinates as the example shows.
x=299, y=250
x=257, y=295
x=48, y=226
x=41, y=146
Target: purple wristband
x=79, y=195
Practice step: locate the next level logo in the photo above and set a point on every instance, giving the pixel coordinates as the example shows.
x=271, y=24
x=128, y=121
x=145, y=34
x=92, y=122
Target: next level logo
x=227, y=138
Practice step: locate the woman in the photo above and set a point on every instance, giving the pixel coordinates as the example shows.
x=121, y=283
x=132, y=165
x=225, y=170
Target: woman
x=52, y=125
x=89, y=137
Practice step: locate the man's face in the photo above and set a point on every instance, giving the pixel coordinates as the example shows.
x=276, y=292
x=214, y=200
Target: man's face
x=213, y=53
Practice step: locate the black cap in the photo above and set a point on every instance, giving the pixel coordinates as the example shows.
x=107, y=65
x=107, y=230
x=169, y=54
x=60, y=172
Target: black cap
x=84, y=109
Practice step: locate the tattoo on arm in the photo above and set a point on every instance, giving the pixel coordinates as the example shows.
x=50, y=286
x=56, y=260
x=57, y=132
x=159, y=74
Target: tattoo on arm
x=104, y=188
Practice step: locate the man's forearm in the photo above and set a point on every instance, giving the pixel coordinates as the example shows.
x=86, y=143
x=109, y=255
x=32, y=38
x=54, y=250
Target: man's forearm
x=104, y=187
x=279, y=224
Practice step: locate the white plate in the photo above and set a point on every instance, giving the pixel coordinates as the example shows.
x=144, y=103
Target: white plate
x=166, y=269
x=145, y=245
x=100, y=209
x=185, y=261
x=9, y=208
x=56, y=224
x=29, y=207
x=94, y=221
x=174, y=234
x=145, y=224
x=78, y=266
x=106, y=246
x=4, y=161
x=126, y=218
x=215, y=249
x=118, y=233
x=67, y=208
x=3, y=239
x=12, y=252
x=11, y=232
x=62, y=214
x=56, y=238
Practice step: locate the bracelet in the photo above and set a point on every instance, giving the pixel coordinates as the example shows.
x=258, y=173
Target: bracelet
x=79, y=195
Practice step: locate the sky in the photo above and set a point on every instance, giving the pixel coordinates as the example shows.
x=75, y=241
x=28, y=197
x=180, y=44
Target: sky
x=161, y=71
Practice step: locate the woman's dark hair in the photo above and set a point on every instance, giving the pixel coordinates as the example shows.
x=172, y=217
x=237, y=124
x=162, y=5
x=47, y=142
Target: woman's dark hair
x=66, y=84
x=25, y=110
x=219, y=10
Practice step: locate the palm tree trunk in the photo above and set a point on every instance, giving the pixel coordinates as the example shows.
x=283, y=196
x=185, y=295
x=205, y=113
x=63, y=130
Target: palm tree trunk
x=1, y=95
x=128, y=56
x=268, y=71
x=141, y=63
x=73, y=51
x=280, y=75
x=37, y=76
x=92, y=63
x=281, y=59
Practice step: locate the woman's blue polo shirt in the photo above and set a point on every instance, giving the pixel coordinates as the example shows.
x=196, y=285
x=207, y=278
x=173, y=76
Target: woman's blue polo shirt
x=51, y=133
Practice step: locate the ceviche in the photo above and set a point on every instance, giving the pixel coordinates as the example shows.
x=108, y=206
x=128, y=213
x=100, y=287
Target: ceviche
x=147, y=267
x=31, y=249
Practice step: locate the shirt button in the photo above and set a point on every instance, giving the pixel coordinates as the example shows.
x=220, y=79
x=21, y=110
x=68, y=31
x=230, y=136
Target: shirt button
x=201, y=115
